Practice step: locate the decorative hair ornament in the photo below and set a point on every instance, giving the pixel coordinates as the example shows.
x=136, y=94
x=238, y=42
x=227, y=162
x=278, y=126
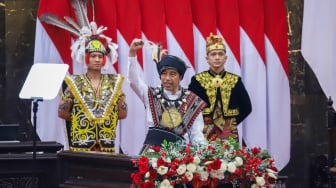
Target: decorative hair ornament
x=157, y=51
x=214, y=42
x=156, y=54
x=163, y=60
x=90, y=37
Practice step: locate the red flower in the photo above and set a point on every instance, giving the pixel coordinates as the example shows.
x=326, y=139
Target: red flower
x=156, y=148
x=203, y=161
x=143, y=167
x=161, y=162
x=136, y=178
x=152, y=175
x=216, y=164
x=197, y=183
x=147, y=185
x=255, y=150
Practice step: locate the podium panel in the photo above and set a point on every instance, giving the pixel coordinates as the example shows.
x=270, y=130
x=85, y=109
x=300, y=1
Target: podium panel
x=18, y=169
x=94, y=170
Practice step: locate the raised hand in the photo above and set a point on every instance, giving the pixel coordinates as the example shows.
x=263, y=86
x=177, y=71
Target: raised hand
x=135, y=45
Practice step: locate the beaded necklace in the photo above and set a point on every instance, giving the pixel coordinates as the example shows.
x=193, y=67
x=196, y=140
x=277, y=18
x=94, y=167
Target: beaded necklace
x=97, y=88
x=168, y=103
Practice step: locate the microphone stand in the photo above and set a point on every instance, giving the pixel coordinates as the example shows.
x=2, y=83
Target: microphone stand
x=35, y=108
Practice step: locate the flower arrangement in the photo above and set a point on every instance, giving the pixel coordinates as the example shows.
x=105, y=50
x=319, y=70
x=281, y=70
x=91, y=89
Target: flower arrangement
x=204, y=165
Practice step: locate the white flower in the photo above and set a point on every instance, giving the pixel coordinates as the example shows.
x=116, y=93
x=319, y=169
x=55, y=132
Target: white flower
x=270, y=170
x=181, y=169
x=231, y=167
x=238, y=161
x=204, y=175
x=162, y=170
x=191, y=167
x=165, y=184
x=260, y=181
x=147, y=175
x=270, y=174
x=168, y=160
x=217, y=174
x=223, y=166
x=208, y=162
x=153, y=161
x=197, y=160
x=189, y=175
x=200, y=169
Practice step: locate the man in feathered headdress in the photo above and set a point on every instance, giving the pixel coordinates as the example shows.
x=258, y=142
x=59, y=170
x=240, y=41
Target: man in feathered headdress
x=227, y=99
x=92, y=102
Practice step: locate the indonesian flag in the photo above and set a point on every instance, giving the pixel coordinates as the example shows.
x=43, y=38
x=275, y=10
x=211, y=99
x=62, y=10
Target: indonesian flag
x=152, y=33
x=179, y=34
x=133, y=129
x=319, y=42
x=278, y=94
x=52, y=45
x=204, y=18
x=228, y=25
x=253, y=67
x=255, y=35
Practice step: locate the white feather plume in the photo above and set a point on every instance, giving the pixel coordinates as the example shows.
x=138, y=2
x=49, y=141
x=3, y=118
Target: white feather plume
x=72, y=22
x=80, y=9
x=84, y=30
x=54, y=20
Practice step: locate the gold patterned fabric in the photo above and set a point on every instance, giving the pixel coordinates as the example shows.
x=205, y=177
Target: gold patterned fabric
x=218, y=128
x=225, y=85
x=94, y=115
x=219, y=118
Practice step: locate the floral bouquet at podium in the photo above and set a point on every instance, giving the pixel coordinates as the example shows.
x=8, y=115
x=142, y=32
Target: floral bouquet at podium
x=212, y=165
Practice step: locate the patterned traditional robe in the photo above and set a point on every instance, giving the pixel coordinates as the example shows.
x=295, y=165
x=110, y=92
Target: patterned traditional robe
x=174, y=115
x=227, y=100
x=94, y=113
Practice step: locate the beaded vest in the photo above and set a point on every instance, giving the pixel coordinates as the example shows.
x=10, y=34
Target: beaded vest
x=174, y=115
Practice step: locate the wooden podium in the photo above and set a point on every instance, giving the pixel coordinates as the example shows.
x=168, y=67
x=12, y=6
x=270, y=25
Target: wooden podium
x=94, y=170
x=18, y=169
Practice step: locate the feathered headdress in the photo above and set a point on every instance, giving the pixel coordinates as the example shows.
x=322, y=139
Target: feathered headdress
x=85, y=31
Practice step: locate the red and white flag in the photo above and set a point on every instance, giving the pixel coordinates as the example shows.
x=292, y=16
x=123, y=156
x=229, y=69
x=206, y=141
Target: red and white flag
x=204, y=18
x=254, y=32
x=319, y=42
x=228, y=25
x=180, y=34
x=153, y=30
x=52, y=46
x=132, y=130
x=253, y=68
x=278, y=94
